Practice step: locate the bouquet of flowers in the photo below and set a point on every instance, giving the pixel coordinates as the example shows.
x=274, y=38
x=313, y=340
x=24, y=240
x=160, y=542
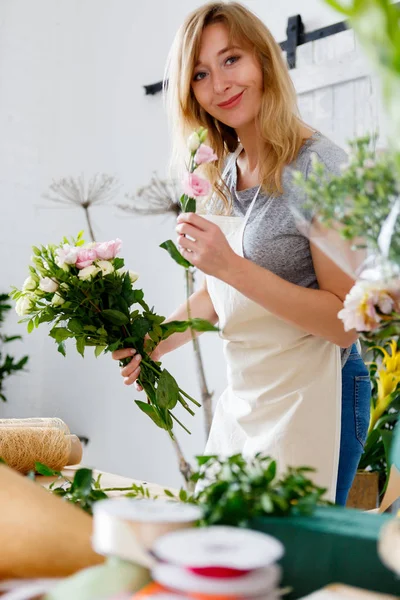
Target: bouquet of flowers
x=85, y=293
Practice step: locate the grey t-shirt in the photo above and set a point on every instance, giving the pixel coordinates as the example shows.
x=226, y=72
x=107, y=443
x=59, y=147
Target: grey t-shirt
x=272, y=238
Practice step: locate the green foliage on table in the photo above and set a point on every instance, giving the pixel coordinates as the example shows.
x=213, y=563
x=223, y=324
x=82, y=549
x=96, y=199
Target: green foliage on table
x=83, y=489
x=8, y=365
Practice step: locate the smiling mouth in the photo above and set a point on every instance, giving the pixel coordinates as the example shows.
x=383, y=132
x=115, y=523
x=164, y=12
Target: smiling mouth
x=232, y=101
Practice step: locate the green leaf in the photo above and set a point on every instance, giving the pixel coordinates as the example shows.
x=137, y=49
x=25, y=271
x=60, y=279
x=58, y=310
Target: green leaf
x=180, y=326
x=98, y=350
x=174, y=253
x=150, y=412
x=45, y=470
x=167, y=393
x=118, y=263
x=115, y=316
x=80, y=345
x=30, y=326
x=169, y=493
x=61, y=348
x=75, y=325
x=60, y=334
x=183, y=495
x=82, y=481
x=190, y=205
x=202, y=325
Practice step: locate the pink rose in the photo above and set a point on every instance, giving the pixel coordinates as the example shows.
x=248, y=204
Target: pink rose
x=108, y=250
x=204, y=155
x=195, y=186
x=86, y=256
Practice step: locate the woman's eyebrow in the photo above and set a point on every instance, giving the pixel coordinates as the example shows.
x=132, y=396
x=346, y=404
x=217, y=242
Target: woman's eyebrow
x=227, y=49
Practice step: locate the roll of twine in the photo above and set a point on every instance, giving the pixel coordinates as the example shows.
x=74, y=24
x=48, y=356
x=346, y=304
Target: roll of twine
x=21, y=447
x=36, y=422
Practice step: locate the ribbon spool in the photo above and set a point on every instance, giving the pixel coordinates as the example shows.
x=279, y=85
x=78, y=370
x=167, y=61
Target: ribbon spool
x=128, y=528
x=23, y=442
x=219, y=560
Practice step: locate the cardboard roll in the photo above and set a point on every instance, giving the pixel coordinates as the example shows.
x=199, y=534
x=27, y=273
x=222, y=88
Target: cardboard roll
x=219, y=547
x=261, y=583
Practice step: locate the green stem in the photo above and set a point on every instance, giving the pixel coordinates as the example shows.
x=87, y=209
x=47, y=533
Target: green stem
x=189, y=397
x=179, y=423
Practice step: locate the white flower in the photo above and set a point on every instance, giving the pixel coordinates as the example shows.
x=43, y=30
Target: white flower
x=368, y=163
x=133, y=276
x=57, y=300
x=344, y=166
x=30, y=284
x=48, y=285
x=24, y=305
x=193, y=142
x=359, y=173
x=361, y=303
x=105, y=266
x=66, y=255
x=88, y=272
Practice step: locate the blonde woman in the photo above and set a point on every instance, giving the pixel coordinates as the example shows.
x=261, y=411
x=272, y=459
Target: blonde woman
x=275, y=296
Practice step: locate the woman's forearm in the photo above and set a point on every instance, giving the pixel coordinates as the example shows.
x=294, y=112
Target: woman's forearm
x=315, y=311
x=201, y=307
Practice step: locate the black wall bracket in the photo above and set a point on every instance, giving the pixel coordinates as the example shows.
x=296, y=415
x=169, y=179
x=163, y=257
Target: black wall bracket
x=296, y=36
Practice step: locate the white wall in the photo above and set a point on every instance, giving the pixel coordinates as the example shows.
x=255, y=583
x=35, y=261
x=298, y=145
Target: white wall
x=71, y=102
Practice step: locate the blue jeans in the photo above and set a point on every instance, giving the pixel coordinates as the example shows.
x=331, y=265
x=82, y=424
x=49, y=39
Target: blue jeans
x=356, y=397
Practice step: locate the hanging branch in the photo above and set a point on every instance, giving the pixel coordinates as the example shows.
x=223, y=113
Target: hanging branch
x=161, y=197
x=101, y=189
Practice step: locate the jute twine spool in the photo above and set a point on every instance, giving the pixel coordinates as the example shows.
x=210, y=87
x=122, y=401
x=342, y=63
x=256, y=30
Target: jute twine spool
x=36, y=422
x=22, y=446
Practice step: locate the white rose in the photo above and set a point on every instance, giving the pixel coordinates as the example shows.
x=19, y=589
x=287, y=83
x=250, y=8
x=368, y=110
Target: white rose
x=48, y=285
x=133, y=276
x=30, y=284
x=88, y=272
x=67, y=254
x=105, y=266
x=57, y=300
x=23, y=306
x=193, y=142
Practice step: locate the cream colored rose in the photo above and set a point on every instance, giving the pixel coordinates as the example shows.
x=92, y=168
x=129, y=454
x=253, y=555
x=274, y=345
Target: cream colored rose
x=57, y=300
x=48, y=285
x=88, y=272
x=193, y=142
x=105, y=266
x=23, y=306
x=30, y=284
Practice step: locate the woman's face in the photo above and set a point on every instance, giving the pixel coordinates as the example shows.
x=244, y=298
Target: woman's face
x=227, y=81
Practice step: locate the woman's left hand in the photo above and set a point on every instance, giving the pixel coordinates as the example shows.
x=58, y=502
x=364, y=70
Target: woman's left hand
x=210, y=250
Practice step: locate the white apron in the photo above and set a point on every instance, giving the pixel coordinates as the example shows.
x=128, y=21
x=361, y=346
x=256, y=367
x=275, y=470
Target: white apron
x=284, y=386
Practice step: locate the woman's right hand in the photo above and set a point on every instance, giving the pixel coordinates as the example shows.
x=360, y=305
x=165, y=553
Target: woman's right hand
x=131, y=371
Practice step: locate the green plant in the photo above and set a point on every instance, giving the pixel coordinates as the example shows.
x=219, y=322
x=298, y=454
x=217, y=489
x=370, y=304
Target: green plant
x=359, y=199
x=84, y=490
x=385, y=407
x=8, y=365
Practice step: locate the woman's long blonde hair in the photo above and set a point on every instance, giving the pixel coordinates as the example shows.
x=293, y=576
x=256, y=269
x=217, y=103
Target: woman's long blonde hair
x=279, y=126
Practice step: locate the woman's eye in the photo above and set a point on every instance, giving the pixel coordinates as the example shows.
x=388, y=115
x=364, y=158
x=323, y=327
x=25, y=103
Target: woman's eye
x=231, y=60
x=199, y=76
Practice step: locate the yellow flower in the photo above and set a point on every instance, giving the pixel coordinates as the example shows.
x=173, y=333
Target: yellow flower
x=387, y=379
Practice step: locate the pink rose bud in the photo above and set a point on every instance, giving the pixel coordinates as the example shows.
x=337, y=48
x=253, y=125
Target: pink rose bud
x=195, y=186
x=204, y=155
x=108, y=250
x=85, y=257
